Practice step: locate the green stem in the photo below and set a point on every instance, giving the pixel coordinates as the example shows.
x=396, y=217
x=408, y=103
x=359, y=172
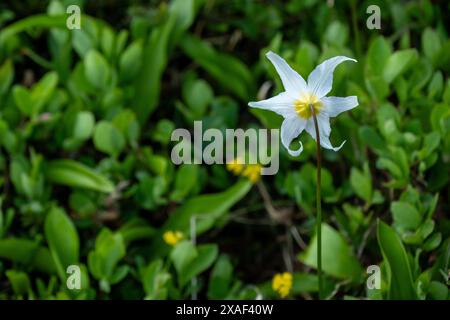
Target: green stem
x=318, y=205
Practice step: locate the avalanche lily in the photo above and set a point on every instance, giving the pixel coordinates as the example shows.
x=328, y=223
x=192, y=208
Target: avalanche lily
x=304, y=106
x=302, y=100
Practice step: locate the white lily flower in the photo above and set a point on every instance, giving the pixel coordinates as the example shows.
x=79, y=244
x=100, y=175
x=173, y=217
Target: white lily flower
x=295, y=103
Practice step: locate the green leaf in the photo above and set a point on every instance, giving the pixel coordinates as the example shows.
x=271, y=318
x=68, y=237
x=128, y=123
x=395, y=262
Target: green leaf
x=361, y=183
x=398, y=63
x=20, y=282
x=185, y=180
x=75, y=174
x=43, y=91
x=136, y=229
x=438, y=291
x=338, y=259
x=182, y=255
x=84, y=125
x=27, y=252
x=400, y=281
x=371, y=138
x=198, y=95
x=209, y=206
x=155, y=280
x=131, y=61
x=109, y=250
x=377, y=56
x=430, y=143
x=97, y=70
x=23, y=100
x=405, y=215
x=62, y=239
x=431, y=44
x=162, y=40
x=220, y=279
x=32, y=22
x=108, y=139
x=432, y=242
x=230, y=72
x=6, y=76
x=206, y=255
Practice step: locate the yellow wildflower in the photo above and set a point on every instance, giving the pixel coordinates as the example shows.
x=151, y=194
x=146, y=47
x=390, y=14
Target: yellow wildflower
x=253, y=172
x=282, y=283
x=172, y=237
x=236, y=166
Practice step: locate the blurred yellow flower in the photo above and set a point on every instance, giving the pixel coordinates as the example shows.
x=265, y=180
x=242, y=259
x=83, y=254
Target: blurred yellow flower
x=282, y=283
x=172, y=237
x=236, y=166
x=253, y=172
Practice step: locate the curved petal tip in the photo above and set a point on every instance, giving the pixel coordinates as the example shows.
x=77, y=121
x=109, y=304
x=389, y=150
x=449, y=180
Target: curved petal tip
x=297, y=152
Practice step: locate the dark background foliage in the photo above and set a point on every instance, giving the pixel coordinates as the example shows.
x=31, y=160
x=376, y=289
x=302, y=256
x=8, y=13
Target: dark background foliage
x=86, y=176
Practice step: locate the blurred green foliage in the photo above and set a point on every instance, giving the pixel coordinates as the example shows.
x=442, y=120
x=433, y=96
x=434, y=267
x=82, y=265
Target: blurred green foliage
x=85, y=123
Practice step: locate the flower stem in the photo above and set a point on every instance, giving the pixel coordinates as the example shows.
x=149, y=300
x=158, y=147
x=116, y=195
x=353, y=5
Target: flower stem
x=318, y=205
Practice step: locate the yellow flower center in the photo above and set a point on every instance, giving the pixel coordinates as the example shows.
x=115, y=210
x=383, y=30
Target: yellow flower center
x=282, y=283
x=172, y=237
x=302, y=106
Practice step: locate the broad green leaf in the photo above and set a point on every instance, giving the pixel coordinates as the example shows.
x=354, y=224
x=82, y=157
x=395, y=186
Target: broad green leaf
x=400, y=282
x=227, y=70
x=185, y=180
x=182, y=255
x=109, y=250
x=377, y=56
x=20, y=282
x=405, y=215
x=438, y=291
x=131, y=61
x=371, y=138
x=197, y=94
x=361, y=182
x=23, y=100
x=136, y=229
x=220, y=279
x=206, y=255
x=62, y=239
x=97, y=70
x=84, y=125
x=43, y=91
x=108, y=139
x=398, y=63
x=155, y=280
x=75, y=174
x=206, y=209
x=27, y=252
x=338, y=259
x=431, y=44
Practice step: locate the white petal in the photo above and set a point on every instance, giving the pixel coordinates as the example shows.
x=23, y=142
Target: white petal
x=283, y=104
x=323, y=121
x=293, y=83
x=320, y=79
x=290, y=129
x=333, y=106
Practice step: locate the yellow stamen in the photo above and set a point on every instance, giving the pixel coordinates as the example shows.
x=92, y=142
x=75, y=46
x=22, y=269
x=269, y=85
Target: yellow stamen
x=302, y=105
